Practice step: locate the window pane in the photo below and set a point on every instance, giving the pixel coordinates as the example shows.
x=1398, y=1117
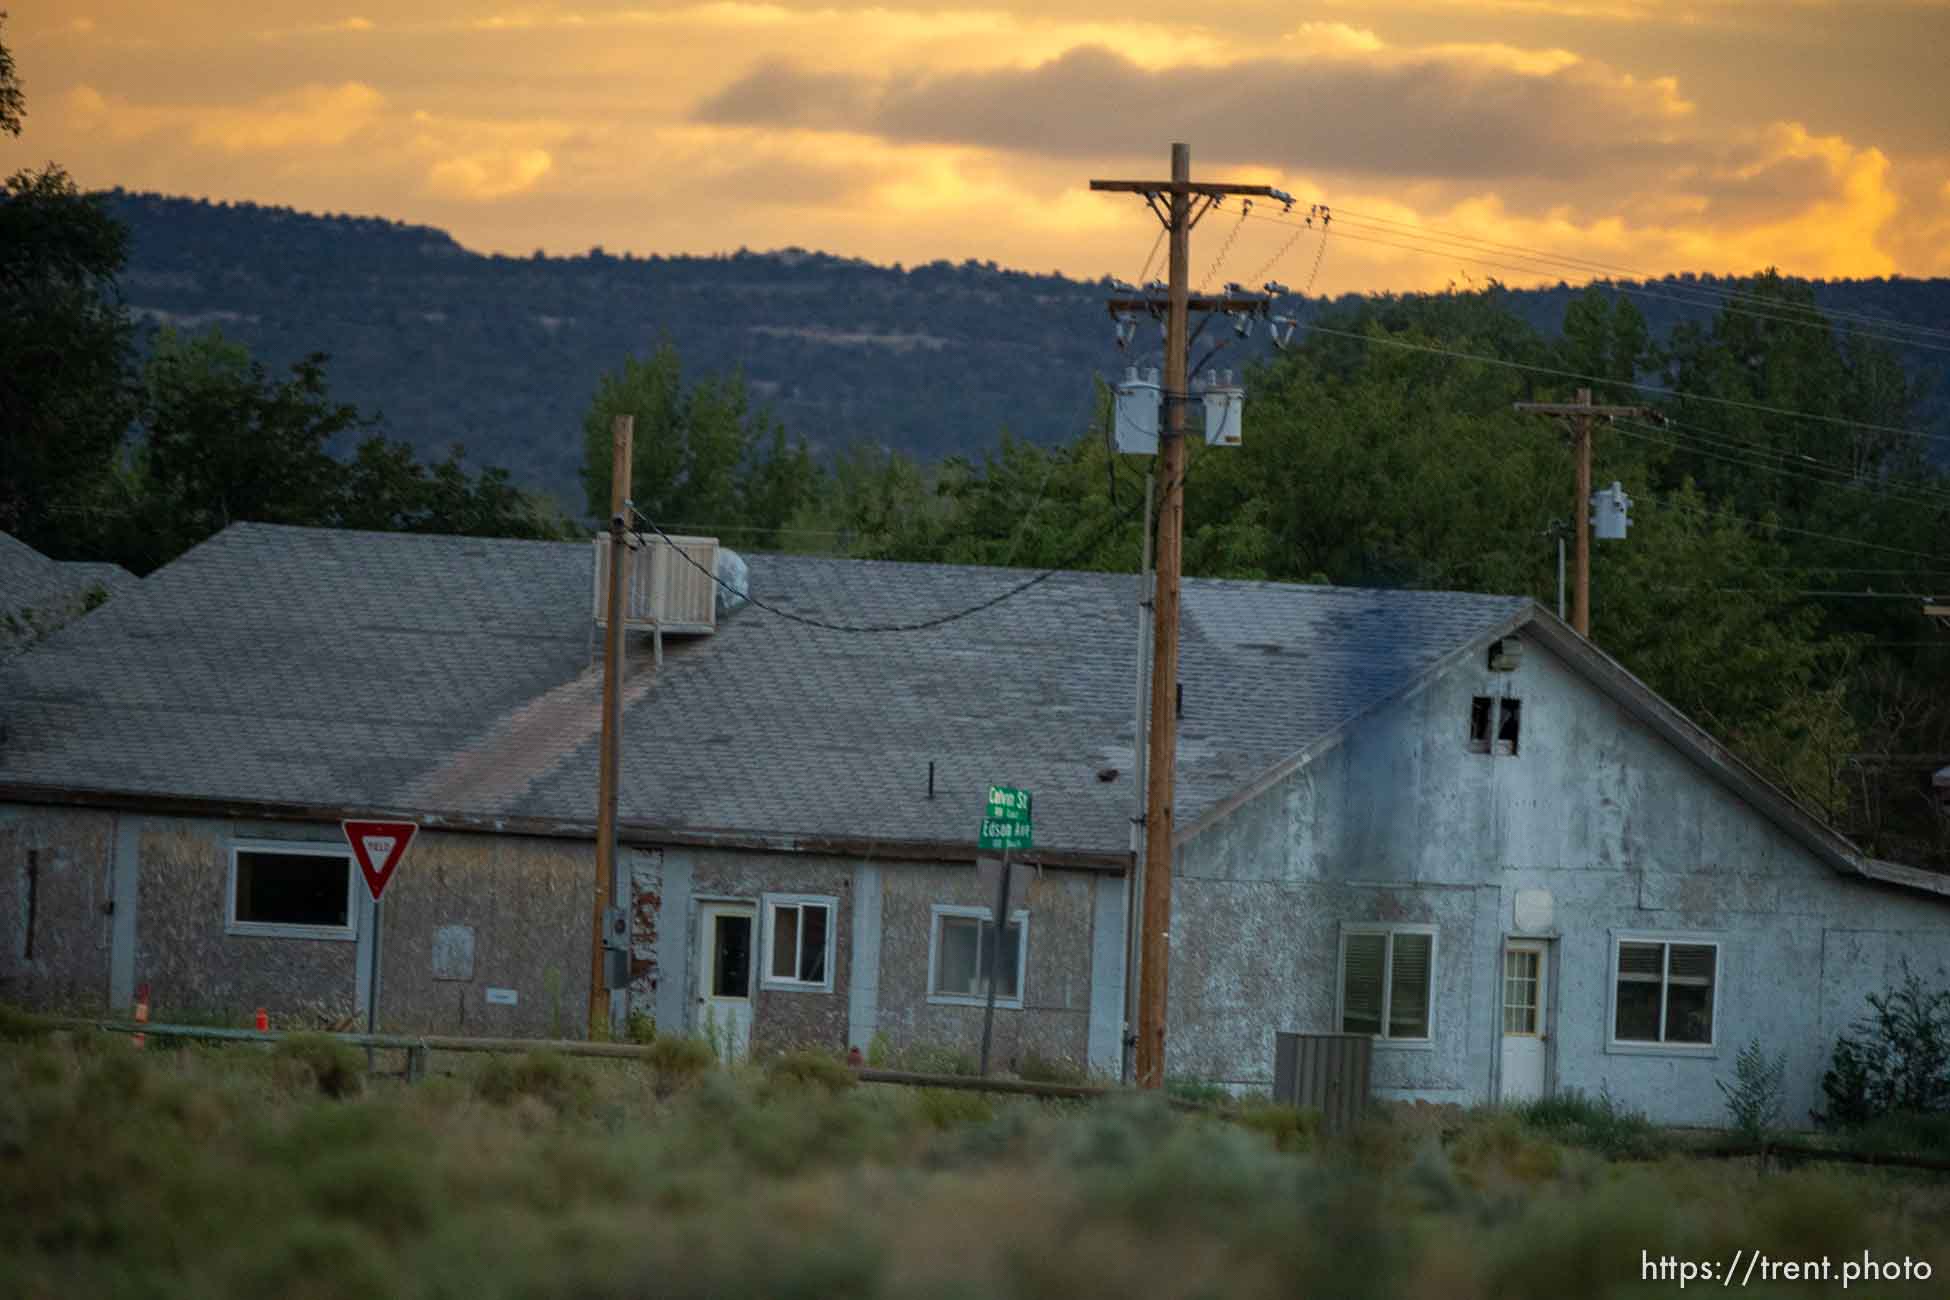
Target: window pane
x=1641, y=981
x=812, y=949
x=785, y=943
x=1011, y=958
x=292, y=888
x=1361, y=984
x=1641, y=960
x=731, y=972
x=955, y=961
x=1408, y=1001
x=1689, y=1001
x=1520, y=991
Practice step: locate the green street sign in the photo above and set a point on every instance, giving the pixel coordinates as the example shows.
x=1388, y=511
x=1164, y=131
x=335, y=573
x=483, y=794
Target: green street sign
x=1005, y=822
x=1004, y=835
x=1008, y=804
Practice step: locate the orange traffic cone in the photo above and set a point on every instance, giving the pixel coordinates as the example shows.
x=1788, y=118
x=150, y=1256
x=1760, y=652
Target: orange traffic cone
x=141, y=1013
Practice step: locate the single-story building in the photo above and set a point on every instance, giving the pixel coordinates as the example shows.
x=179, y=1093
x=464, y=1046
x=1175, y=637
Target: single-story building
x=1440, y=819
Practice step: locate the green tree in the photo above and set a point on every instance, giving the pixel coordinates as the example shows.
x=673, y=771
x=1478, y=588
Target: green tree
x=65, y=396
x=702, y=457
x=13, y=104
x=224, y=441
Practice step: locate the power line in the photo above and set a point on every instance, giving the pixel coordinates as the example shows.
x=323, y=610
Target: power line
x=1938, y=502
x=1776, y=310
x=921, y=625
x=1654, y=389
x=1643, y=277
x=1710, y=514
x=1475, y=258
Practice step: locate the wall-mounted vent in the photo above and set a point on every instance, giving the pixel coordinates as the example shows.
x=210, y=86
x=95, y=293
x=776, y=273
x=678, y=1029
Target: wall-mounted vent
x=1506, y=655
x=665, y=591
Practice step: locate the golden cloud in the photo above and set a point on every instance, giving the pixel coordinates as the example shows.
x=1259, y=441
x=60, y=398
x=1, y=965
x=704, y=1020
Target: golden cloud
x=483, y=177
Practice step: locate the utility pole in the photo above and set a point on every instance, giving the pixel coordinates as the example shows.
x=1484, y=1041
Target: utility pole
x=1178, y=218
x=1581, y=413
x=622, y=430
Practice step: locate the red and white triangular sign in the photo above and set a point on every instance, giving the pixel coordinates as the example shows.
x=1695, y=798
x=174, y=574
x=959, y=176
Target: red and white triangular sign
x=378, y=846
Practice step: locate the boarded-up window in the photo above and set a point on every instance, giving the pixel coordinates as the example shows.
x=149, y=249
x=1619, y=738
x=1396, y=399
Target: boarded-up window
x=1665, y=992
x=1388, y=982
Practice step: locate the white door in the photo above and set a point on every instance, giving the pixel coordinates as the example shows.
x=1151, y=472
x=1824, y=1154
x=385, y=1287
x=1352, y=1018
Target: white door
x=1525, y=1002
x=724, y=977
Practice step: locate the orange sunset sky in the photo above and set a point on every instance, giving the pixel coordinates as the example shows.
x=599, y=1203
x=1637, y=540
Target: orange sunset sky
x=1659, y=135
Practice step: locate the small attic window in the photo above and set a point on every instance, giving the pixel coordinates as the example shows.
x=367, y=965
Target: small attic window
x=1479, y=725
x=1509, y=722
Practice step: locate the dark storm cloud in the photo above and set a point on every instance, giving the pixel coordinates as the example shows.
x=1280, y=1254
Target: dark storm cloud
x=1446, y=118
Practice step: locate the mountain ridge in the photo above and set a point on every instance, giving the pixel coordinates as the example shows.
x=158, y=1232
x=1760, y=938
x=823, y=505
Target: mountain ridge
x=502, y=354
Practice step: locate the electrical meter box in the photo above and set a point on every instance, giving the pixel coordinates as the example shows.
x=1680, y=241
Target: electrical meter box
x=1136, y=413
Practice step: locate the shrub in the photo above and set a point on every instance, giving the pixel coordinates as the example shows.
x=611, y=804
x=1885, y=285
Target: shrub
x=1289, y=1127
x=1034, y=1067
x=1754, y=1096
x=640, y=1028
x=808, y=1068
x=1198, y=1091
x=679, y=1059
x=1596, y=1123
x=336, y=1069
x=945, y=1108
x=931, y=1058
x=1905, y=1133
x=546, y=1076
x=1897, y=1058
x=17, y=1024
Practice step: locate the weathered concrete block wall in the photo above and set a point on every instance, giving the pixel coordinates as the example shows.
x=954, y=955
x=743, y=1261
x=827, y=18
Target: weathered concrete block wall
x=466, y=913
x=516, y=909
x=182, y=951
x=1054, y=1020
x=1401, y=822
x=61, y=891
x=884, y=912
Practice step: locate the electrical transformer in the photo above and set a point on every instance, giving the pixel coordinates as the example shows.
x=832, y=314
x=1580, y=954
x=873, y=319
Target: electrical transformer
x=1137, y=413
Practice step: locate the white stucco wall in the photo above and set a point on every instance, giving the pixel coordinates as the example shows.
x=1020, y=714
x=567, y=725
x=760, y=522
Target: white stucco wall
x=1401, y=822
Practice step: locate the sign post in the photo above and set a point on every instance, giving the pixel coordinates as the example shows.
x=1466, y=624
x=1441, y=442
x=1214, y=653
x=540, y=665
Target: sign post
x=377, y=847
x=1005, y=826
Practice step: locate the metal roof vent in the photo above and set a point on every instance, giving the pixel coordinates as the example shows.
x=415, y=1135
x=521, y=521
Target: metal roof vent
x=671, y=589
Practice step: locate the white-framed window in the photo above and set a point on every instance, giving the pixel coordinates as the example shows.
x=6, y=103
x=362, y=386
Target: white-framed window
x=959, y=956
x=1665, y=992
x=1387, y=984
x=799, y=940
x=282, y=889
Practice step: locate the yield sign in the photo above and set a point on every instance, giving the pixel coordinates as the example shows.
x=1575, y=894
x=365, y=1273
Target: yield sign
x=378, y=846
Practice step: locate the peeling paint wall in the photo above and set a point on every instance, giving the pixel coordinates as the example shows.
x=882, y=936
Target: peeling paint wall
x=61, y=892
x=1401, y=822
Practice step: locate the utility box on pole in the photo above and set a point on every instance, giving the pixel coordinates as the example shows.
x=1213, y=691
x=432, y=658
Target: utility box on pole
x=1136, y=413
x=1225, y=404
x=1611, y=513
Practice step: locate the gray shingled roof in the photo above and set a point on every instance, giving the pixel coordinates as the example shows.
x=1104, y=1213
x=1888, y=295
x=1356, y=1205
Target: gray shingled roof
x=459, y=675
x=39, y=595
